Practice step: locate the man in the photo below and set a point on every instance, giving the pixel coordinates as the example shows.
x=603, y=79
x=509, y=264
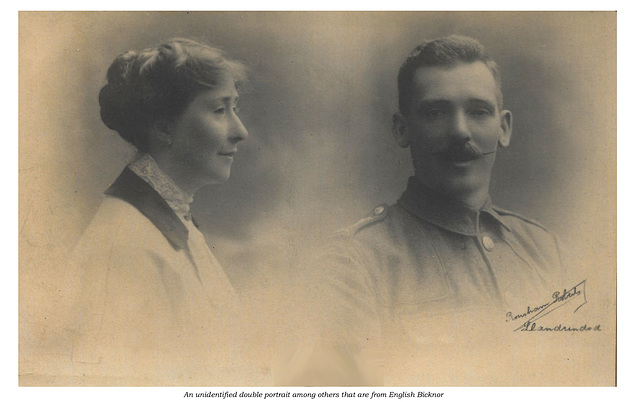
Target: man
x=443, y=260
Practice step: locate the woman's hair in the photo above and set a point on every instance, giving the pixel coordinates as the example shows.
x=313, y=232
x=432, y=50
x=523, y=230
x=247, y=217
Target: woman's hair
x=160, y=82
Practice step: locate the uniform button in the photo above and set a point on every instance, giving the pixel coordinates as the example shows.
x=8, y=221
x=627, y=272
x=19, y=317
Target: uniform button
x=379, y=209
x=487, y=242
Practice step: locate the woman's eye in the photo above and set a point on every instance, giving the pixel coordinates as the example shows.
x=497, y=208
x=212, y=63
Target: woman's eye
x=220, y=110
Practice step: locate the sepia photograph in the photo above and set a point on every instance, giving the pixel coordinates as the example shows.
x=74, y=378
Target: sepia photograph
x=317, y=198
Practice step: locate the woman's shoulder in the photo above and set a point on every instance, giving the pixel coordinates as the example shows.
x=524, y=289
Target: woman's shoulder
x=120, y=226
x=122, y=247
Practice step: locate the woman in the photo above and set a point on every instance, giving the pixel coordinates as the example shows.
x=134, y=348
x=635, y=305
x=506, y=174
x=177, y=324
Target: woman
x=154, y=305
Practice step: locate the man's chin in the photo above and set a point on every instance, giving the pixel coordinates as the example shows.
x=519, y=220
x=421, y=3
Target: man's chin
x=468, y=163
x=454, y=180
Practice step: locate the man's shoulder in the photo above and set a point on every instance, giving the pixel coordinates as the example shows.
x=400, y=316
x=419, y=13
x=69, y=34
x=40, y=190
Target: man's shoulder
x=518, y=221
x=382, y=222
x=531, y=234
x=384, y=230
x=375, y=216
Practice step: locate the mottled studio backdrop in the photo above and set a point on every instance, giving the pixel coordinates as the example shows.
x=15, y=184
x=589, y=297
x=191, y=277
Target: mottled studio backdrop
x=318, y=109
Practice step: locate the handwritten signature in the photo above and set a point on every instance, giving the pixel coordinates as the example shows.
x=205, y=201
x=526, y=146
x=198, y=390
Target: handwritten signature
x=559, y=299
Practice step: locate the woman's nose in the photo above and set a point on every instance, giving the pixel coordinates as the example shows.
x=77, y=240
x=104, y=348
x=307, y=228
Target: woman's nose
x=238, y=130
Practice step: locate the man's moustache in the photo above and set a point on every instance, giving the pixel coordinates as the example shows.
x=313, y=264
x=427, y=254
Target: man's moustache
x=462, y=152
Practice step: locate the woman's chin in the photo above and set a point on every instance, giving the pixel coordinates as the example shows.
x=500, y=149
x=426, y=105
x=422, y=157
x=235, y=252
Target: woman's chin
x=219, y=178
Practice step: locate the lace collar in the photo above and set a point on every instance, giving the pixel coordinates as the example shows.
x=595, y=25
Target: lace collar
x=148, y=170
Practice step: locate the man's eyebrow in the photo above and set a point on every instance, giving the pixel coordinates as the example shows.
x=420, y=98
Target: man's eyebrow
x=487, y=102
x=427, y=103
x=432, y=102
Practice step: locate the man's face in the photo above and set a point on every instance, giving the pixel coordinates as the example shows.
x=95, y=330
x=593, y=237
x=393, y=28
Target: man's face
x=454, y=127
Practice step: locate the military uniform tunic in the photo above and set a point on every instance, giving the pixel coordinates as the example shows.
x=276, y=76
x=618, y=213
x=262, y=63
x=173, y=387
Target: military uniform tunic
x=400, y=270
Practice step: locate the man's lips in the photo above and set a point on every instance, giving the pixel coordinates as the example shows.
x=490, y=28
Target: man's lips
x=455, y=158
x=462, y=155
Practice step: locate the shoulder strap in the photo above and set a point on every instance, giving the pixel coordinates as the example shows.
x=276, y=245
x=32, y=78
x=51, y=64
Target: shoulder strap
x=378, y=214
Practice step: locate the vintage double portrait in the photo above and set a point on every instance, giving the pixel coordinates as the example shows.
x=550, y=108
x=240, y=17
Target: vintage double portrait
x=407, y=199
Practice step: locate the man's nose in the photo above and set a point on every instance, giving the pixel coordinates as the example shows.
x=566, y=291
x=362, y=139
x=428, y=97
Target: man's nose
x=460, y=126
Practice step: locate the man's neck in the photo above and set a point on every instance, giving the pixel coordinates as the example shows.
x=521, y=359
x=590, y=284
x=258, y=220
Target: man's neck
x=473, y=198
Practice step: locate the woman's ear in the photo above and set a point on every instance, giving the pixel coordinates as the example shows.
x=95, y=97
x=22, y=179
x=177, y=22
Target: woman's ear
x=162, y=131
x=400, y=130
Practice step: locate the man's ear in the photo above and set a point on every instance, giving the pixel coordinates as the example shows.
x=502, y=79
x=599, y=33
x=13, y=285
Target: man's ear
x=506, y=122
x=400, y=130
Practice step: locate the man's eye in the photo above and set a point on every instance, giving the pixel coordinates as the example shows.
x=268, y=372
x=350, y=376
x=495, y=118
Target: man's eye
x=236, y=109
x=433, y=114
x=219, y=110
x=480, y=112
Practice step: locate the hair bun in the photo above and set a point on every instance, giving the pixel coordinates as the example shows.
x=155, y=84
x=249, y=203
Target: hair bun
x=114, y=99
x=120, y=69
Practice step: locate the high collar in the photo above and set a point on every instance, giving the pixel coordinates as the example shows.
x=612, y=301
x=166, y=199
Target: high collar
x=148, y=170
x=139, y=193
x=443, y=212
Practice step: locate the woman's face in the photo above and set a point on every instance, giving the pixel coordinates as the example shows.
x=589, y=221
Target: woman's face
x=206, y=136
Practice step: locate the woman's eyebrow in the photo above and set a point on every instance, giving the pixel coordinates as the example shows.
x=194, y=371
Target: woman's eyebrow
x=223, y=99
x=227, y=99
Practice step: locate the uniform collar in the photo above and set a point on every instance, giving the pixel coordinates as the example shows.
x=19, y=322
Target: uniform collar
x=137, y=192
x=438, y=210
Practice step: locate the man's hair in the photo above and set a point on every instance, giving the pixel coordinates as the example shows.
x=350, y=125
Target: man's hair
x=442, y=52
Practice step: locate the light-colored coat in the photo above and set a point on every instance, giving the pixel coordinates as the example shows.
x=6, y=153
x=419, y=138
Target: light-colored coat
x=153, y=306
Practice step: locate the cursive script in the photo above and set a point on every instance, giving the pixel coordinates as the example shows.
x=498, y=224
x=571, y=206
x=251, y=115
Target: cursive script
x=559, y=299
x=532, y=326
x=512, y=317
